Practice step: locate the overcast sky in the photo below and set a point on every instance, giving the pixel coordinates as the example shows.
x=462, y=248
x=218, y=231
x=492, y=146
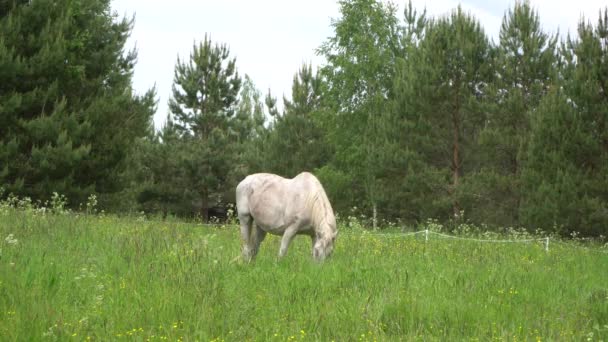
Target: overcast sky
x=272, y=38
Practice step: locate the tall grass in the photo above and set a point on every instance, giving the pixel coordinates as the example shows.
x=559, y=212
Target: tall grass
x=67, y=276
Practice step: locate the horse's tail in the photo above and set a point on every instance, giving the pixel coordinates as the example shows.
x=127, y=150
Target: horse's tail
x=243, y=191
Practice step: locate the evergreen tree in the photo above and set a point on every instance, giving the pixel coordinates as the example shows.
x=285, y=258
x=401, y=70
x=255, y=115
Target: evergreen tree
x=68, y=114
x=438, y=92
x=205, y=93
x=157, y=174
x=525, y=65
x=295, y=143
x=556, y=186
x=564, y=181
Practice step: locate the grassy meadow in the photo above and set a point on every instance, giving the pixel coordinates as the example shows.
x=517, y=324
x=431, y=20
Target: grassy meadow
x=94, y=277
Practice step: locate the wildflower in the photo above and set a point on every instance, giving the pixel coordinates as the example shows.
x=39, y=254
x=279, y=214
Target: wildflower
x=10, y=239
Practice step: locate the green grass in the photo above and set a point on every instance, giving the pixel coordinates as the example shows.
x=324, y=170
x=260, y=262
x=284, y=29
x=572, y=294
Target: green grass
x=78, y=277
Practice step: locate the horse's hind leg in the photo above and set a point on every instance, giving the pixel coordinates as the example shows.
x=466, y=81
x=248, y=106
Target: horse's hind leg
x=288, y=235
x=246, y=229
x=257, y=236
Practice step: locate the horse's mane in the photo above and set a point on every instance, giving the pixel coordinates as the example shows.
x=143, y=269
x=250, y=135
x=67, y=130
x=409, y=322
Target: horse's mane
x=322, y=213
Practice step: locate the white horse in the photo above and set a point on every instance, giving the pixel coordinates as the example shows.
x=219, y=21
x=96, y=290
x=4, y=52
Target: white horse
x=285, y=207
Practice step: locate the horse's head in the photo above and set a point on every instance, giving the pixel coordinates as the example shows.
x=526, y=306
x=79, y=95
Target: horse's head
x=324, y=244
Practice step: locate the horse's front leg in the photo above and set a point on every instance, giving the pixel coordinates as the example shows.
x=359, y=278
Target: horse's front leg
x=288, y=235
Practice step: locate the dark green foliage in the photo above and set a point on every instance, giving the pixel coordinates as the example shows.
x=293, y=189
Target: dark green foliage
x=250, y=124
x=565, y=182
x=439, y=91
x=296, y=142
x=67, y=110
x=159, y=180
x=556, y=182
x=205, y=90
x=524, y=68
x=205, y=93
x=406, y=121
x=359, y=72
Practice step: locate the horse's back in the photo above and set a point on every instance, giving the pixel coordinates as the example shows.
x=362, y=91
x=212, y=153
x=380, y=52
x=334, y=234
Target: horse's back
x=306, y=181
x=263, y=196
x=275, y=202
x=250, y=185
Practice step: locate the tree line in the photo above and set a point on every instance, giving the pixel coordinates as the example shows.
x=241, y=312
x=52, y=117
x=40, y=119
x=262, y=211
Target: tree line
x=410, y=118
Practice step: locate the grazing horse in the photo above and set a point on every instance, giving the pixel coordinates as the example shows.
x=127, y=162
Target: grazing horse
x=285, y=207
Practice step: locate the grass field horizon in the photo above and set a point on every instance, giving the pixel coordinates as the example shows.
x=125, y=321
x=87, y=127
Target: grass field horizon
x=72, y=276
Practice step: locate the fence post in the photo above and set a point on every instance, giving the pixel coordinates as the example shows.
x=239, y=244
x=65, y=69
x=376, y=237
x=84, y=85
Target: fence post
x=426, y=235
x=547, y=244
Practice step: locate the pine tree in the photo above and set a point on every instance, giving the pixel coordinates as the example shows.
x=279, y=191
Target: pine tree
x=205, y=93
x=68, y=114
x=438, y=92
x=564, y=181
x=153, y=159
x=296, y=142
x=556, y=187
x=525, y=65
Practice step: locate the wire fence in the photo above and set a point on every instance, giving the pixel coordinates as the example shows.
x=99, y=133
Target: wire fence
x=428, y=233
x=572, y=245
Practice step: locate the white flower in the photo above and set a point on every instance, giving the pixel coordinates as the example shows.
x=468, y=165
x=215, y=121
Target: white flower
x=10, y=239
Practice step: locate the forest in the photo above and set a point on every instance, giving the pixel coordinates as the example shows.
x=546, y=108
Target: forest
x=411, y=118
